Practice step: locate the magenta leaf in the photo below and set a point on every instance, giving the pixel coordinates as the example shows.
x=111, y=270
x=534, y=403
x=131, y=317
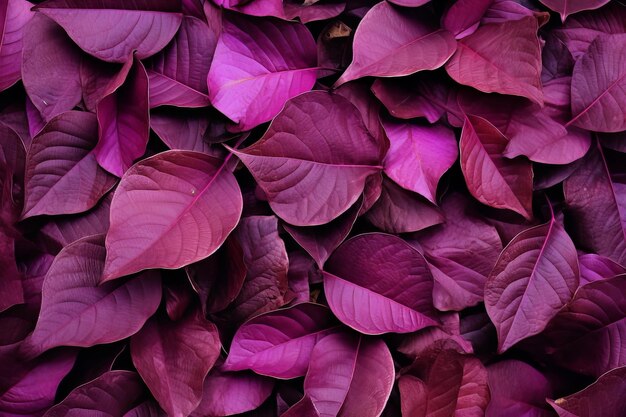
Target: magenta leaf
x=316, y=144
x=279, y=343
x=183, y=186
x=463, y=17
x=123, y=122
x=174, y=357
x=598, y=85
x=178, y=74
x=254, y=58
x=62, y=174
x=587, y=336
x=228, y=393
x=488, y=59
x=491, y=179
x=58, y=89
x=15, y=15
x=419, y=155
x=387, y=282
x=535, y=276
x=602, y=398
x=597, y=268
x=348, y=374
x=113, y=394
x=77, y=311
x=254, y=8
x=568, y=7
x=393, y=43
x=112, y=30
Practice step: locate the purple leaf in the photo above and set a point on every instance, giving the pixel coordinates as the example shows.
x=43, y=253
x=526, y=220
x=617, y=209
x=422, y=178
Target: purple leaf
x=569, y=7
x=535, y=276
x=597, y=268
x=317, y=144
x=279, y=343
x=182, y=187
x=349, y=375
x=391, y=43
x=178, y=74
x=229, y=393
x=447, y=336
x=112, y=30
x=503, y=11
x=174, y=357
x=255, y=58
x=488, y=59
x=15, y=14
x=265, y=257
x=77, y=311
x=461, y=253
x=58, y=88
x=517, y=389
x=596, y=208
x=463, y=17
x=123, y=122
x=312, y=11
x=254, y=7
x=419, y=155
x=598, y=85
x=493, y=180
x=62, y=174
x=112, y=394
x=377, y=283
x=602, y=398
x=587, y=336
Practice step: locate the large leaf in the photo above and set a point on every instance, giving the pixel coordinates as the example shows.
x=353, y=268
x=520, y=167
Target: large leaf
x=419, y=155
x=349, y=375
x=501, y=58
x=377, y=283
x=174, y=357
x=58, y=88
x=599, y=85
x=605, y=397
x=313, y=160
x=461, y=253
x=228, y=393
x=596, y=207
x=112, y=394
x=256, y=58
x=123, y=122
x=568, y=7
x=196, y=201
x=62, y=174
x=15, y=15
x=111, y=30
x=77, y=311
x=589, y=335
x=492, y=179
x=535, y=276
x=391, y=43
x=178, y=74
x=279, y=343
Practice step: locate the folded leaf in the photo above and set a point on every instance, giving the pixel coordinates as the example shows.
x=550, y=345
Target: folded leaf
x=598, y=85
x=392, y=43
x=568, y=7
x=255, y=58
x=62, y=174
x=182, y=187
x=123, y=122
x=112, y=30
x=15, y=15
x=535, y=276
x=313, y=160
x=377, y=283
x=491, y=179
x=279, y=343
x=463, y=17
x=77, y=311
x=174, y=357
x=501, y=58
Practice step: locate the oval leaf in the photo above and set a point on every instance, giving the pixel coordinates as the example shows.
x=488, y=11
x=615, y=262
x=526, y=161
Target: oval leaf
x=535, y=276
x=183, y=188
x=313, y=160
x=377, y=283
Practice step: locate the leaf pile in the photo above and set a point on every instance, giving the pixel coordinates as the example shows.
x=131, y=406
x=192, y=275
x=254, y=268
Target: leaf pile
x=319, y=208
